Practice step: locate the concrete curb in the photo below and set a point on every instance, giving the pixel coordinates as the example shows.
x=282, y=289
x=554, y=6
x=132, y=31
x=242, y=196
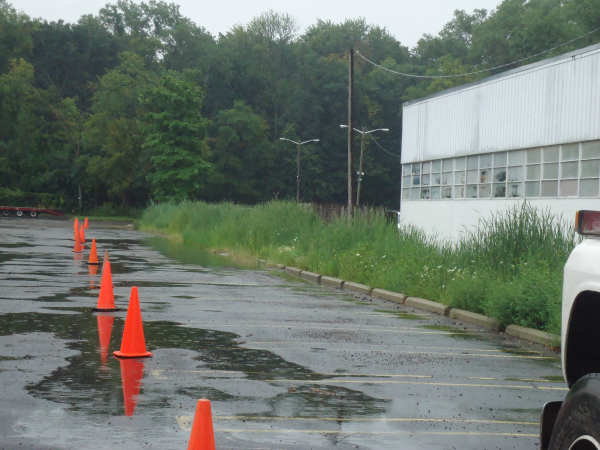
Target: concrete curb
x=279, y=266
x=292, y=271
x=541, y=337
x=335, y=283
x=428, y=305
x=309, y=276
x=476, y=319
x=360, y=288
x=389, y=295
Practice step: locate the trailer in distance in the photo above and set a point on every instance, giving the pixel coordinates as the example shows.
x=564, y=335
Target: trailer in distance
x=26, y=211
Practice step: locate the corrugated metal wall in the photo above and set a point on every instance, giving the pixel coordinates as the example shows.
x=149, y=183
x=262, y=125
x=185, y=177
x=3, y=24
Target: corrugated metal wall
x=554, y=103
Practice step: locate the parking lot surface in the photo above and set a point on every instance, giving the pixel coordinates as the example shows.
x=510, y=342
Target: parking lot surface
x=286, y=364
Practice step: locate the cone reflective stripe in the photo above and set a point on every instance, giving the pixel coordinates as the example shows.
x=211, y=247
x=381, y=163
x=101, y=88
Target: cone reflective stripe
x=85, y=224
x=132, y=372
x=81, y=234
x=105, y=324
x=93, y=254
x=106, y=299
x=133, y=344
x=203, y=436
x=77, y=248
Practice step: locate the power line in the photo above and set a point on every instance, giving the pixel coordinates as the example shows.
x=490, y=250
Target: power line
x=479, y=71
x=397, y=156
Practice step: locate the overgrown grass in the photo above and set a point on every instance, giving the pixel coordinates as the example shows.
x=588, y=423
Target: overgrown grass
x=509, y=268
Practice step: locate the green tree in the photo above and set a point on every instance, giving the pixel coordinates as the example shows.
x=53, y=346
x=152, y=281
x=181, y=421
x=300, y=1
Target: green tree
x=175, y=138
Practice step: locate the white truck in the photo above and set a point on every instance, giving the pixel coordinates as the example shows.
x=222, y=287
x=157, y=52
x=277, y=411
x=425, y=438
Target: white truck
x=574, y=424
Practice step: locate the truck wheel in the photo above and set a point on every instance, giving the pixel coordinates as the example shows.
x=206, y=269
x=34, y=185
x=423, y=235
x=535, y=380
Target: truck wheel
x=5, y=212
x=33, y=214
x=577, y=426
x=19, y=213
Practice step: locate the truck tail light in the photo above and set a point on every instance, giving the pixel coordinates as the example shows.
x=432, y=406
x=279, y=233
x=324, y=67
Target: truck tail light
x=587, y=223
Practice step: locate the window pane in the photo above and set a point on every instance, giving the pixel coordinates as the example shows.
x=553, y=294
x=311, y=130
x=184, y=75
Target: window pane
x=549, y=188
x=406, y=169
x=485, y=161
x=569, y=170
x=435, y=193
x=500, y=159
x=515, y=173
x=472, y=176
x=534, y=155
x=500, y=174
x=447, y=192
x=472, y=191
x=499, y=190
x=550, y=155
x=416, y=181
x=532, y=189
x=459, y=177
x=472, y=162
x=568, y=188
x=588, y=188
x=426, y=180
x=416, y=169
x=590, y=169
x=414, y=193
x=425, y=193
x=533, y=172
x=405, y=194
x=459, y=192
x=406, y=181
x=436, y=178
x=426, y=167
x=447, y=178
x=515, y=190
x=447, y=165
x=570, y=152
x=590, y=149
x=436, y=166
x=515, y=158
x=485, y=190
x=550, y=172
x=485, y=176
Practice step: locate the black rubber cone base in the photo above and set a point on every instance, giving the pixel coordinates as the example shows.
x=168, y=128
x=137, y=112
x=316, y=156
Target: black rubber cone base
x=107, y=309
x=93, y=264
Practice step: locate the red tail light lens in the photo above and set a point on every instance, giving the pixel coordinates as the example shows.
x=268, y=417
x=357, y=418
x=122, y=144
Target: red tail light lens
x=587, y=223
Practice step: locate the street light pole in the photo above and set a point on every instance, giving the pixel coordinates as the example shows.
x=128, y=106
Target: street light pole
x=298, y=174
x=362, y=145
x=350, y=129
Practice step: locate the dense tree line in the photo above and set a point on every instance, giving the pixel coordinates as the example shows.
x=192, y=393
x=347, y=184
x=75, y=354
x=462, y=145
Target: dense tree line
x=138, y=103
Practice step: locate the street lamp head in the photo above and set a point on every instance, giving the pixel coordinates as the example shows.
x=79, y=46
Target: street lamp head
x=343, y=126
x=316, y=140
x=385, y=129
x=282, y=139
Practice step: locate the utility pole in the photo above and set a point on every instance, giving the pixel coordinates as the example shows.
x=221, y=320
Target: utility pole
x=350, y=130
x=360, y=172
x=299, y=144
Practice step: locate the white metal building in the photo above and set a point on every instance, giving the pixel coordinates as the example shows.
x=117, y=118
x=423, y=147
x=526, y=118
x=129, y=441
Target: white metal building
x=532, y=132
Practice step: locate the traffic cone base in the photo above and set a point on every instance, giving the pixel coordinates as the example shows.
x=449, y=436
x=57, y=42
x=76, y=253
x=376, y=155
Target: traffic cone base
x=107, y=309
x=133, y=344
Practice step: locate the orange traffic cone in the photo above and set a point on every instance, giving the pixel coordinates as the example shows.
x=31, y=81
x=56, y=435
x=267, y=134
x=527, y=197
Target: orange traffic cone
x=105, y=324
x=93, y=254
x=76, y=224
x=81, y=234
x=133, y=344
x=106, y=299
x=132, y=371
x=203, y=436
x=76, y=232
x=77, y=248
x=85, y=224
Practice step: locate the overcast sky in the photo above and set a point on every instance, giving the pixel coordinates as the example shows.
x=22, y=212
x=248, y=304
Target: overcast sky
x=407, y=20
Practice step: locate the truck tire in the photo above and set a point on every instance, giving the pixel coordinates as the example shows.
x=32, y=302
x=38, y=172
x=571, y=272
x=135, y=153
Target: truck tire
x=577, y=426
x=5, y=212
x=19, y=213
x=33, y=214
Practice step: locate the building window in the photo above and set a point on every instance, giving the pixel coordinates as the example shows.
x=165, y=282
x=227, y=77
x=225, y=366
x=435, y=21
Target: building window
x=568, y=170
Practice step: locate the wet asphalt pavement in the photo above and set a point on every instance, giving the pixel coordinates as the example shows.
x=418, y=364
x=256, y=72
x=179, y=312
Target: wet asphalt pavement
x=286, y=364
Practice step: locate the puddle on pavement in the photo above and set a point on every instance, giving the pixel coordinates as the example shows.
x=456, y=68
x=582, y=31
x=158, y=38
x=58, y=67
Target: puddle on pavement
x=190, y=254
x=96, y=383
x=402, y=314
